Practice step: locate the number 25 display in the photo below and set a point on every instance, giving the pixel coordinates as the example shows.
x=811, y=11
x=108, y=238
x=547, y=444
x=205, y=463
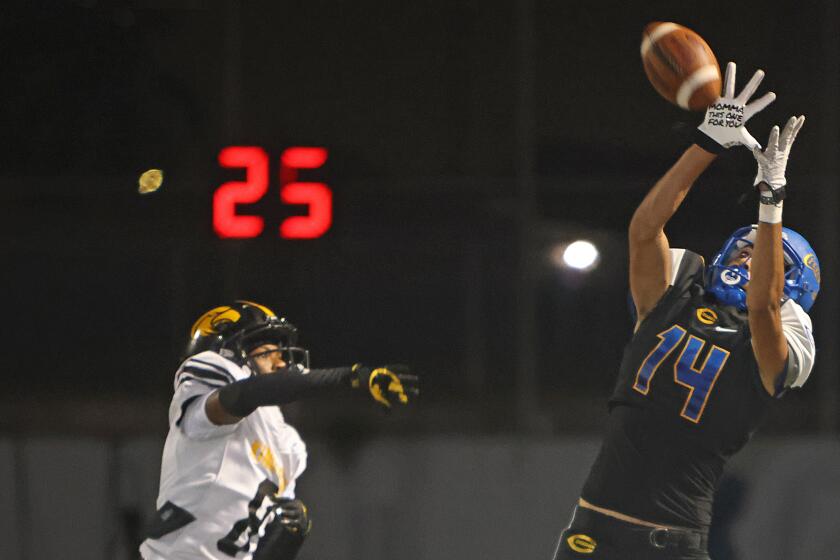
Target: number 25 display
x=316, y=196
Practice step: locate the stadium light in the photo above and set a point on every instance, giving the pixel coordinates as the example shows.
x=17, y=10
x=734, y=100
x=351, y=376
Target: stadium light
x=579, y=255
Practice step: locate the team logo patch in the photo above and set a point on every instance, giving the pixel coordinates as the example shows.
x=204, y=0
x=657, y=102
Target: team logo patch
x=582, y=543
x=810, y=261
x=262, y=454
x=706, y=316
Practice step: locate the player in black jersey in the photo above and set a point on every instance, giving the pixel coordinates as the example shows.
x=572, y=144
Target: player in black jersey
x=712, y=348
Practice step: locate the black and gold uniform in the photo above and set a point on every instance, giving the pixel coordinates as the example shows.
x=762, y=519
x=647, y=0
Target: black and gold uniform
x=689, y=392
x=688, y=397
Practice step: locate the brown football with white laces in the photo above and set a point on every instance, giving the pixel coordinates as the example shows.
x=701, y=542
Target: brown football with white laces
x=680, y=65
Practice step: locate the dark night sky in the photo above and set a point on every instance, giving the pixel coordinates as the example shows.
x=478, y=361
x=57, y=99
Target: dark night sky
x=417, y=104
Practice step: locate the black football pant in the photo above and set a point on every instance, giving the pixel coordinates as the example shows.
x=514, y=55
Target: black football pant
x=595, y=536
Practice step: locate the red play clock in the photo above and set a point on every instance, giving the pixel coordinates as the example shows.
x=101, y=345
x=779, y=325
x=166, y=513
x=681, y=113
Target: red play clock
x=317, y=197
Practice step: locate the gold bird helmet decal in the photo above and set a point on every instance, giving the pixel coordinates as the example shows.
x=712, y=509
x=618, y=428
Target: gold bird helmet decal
x=214, y=321
x=232, y=330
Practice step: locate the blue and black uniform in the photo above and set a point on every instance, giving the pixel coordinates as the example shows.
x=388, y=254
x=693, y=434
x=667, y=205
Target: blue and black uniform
x=688, y=397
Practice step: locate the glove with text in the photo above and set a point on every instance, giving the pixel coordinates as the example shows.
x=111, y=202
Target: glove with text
x=723, y=125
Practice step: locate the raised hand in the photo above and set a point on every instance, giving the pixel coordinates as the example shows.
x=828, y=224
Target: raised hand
x=772, y=162
x=724, y=122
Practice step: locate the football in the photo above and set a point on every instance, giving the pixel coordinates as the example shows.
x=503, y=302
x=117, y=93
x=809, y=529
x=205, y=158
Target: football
x=680, y=65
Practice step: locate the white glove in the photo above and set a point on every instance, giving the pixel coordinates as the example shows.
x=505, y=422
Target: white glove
x=773, y=160
x=725, y=118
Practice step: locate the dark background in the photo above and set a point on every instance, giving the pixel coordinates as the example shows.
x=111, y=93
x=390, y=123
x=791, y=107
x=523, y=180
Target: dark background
x=465, y=140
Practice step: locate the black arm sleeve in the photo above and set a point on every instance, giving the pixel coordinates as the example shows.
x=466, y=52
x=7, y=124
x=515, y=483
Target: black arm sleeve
x=245, y=396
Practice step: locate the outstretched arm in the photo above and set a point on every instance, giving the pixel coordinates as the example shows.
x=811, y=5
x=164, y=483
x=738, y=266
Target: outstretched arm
x=650, y=263
x=767, y=268
x=233, y=402
x=722, y=127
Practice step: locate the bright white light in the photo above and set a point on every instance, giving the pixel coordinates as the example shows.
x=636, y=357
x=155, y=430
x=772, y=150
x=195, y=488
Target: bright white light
x=580, y=255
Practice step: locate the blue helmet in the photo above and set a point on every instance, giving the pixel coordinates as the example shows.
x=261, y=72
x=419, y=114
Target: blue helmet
x=802, y=270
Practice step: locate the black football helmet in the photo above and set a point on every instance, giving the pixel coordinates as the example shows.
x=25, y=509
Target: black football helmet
x=234, y=330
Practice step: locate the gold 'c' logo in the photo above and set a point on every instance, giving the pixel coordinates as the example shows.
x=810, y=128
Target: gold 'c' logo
x=810, y=261
x=706, y=316
x=582, y=543
x=209, y=323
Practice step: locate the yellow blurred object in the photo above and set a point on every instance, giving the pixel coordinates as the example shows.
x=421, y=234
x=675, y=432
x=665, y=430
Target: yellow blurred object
x=150, y=181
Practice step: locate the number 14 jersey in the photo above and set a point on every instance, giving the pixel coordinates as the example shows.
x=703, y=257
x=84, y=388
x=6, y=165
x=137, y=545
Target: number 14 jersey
x=688, y=396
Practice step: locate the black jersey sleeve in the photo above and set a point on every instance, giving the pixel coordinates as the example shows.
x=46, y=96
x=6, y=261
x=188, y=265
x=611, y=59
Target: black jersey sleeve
x=687, y=271
x=244, y=396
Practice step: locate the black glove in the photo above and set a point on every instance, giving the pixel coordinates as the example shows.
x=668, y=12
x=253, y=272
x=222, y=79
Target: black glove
x=386, y=384
x=295, y=516
x=285, y=534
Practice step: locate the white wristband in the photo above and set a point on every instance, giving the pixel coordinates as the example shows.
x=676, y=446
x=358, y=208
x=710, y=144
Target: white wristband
x=770, y=213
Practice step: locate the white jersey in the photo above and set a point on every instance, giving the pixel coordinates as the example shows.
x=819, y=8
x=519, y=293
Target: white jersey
x=225, y=477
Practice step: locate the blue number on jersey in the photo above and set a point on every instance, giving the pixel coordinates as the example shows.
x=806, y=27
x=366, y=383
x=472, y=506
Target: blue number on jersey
x=668, y=340
x=698, y=381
